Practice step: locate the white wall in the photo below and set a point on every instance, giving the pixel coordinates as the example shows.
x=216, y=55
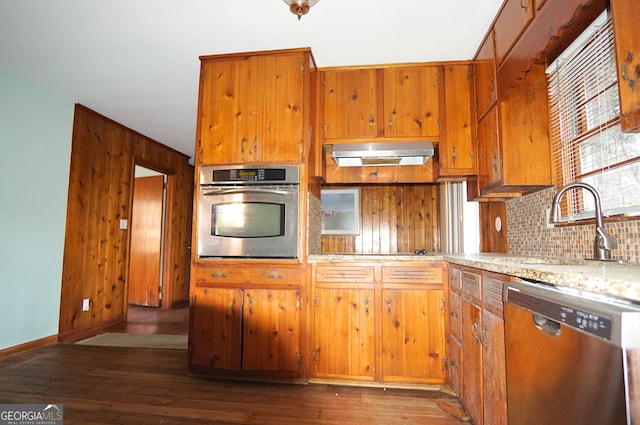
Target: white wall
x=35, y=149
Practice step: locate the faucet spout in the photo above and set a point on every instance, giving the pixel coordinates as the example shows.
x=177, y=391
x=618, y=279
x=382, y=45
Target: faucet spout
x=603, y=242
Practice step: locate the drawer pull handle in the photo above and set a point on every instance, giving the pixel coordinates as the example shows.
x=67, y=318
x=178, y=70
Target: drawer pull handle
x=366, y=307
x=273, y=275
x=218, y=275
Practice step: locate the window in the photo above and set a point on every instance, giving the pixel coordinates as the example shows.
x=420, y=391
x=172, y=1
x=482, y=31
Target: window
x=588, y=144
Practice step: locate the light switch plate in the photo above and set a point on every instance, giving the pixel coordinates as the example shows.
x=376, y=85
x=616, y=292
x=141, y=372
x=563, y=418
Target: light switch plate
x=123, y=224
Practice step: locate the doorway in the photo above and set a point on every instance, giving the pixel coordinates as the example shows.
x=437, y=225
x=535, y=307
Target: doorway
x=147, y=240
x=145, y=284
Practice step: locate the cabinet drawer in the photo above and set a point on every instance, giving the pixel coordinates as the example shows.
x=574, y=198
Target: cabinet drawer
x=412, y=274
x=455, y=315
x=274, y=275
x=471, y=288
x=204, y=276
x=492, y=295
x=455, y=281
x=331, y=273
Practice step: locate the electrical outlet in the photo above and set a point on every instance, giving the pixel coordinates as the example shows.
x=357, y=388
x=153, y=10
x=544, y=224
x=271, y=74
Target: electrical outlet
x=85, y=304
x=547, y=214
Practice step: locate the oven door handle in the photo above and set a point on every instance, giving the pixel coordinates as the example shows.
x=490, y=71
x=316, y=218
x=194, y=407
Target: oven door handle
x=245, y=190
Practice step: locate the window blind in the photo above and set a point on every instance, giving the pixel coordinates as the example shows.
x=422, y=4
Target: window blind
x=588, y=144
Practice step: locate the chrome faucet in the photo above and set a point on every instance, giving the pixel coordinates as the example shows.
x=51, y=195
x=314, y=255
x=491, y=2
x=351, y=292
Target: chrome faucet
x=603, y=243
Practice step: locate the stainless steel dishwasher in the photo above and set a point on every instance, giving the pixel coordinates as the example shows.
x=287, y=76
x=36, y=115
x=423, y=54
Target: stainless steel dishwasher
x=567, y=357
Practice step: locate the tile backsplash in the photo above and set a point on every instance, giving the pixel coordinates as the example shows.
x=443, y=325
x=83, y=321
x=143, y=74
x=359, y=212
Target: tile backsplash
x=528, y=233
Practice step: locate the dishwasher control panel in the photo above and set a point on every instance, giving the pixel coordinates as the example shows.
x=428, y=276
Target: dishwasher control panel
x=590, y=321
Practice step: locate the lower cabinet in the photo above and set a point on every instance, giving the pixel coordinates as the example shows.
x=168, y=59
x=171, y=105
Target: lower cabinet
x=236, y=327
x=413, y=343
x=477, y=371
x=344, y=333
x=379, y=322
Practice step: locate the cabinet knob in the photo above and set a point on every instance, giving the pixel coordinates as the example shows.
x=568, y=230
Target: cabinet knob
x=242, y=142
x=390, y=121
x=371, y=121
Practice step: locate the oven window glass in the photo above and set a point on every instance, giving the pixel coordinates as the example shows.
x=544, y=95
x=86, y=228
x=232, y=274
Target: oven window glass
x=248, y=220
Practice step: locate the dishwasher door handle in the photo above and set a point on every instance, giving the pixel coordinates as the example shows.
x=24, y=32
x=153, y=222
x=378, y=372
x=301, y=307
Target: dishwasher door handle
x=548, y=326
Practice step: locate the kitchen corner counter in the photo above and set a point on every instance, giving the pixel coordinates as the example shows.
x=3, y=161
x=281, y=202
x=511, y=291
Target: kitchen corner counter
x=620, y=280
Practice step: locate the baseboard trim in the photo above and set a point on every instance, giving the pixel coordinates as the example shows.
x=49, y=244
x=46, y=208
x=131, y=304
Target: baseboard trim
x=30, y=345
x=82, y=333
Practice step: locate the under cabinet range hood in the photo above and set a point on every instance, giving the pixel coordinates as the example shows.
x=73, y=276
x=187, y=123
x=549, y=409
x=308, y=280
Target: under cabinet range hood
x=381, y=153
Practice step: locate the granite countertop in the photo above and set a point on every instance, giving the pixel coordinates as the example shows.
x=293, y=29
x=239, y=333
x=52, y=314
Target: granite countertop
x=619, y=280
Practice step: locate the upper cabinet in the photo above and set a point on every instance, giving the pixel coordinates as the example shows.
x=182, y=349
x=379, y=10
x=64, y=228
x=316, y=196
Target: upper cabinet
x=484, y=73
x=255, y=107
x=511, y=21
x=393, y=102
x=513, y=141
x=627, y=40
x=455, y=154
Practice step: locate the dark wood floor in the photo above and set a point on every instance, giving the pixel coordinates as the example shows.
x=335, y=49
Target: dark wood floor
x=109, y=385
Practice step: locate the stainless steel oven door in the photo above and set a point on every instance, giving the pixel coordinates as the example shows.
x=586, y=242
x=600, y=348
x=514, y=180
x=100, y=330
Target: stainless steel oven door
x=248, y=221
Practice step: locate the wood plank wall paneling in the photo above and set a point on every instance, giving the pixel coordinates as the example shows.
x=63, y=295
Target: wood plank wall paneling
x=492, y=240
x=95, y=263
x=394, y=218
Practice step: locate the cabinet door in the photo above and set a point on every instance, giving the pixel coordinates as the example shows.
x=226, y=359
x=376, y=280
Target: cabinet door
x=472, y=361
x=455, y=369
x=215, y=329
x=455, y=150
x=252, y=109
x=223, y=112
x=627, y=41
x=411, y=102
x=494, y=390
x=344, y=333
x=484, y=71
x=271, y=330
x=510, y=23
x=350, y=104
x=275, y=107
x=413, y=345
x=489, y=154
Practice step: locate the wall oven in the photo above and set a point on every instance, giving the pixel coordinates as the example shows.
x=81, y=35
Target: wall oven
x=248, y=212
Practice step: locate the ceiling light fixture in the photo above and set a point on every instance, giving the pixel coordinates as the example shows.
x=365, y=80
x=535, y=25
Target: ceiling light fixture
x=300, y=7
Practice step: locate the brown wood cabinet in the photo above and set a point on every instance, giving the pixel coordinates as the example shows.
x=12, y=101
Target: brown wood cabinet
x=391, y=102
x=627, y=40
x=511, y=21
x=477, y=371
x=246, y=321
x=455, y=156
x=513, y=141
x=344, y=326
x=484, y=76
x=380, y=322
x=254, y=107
